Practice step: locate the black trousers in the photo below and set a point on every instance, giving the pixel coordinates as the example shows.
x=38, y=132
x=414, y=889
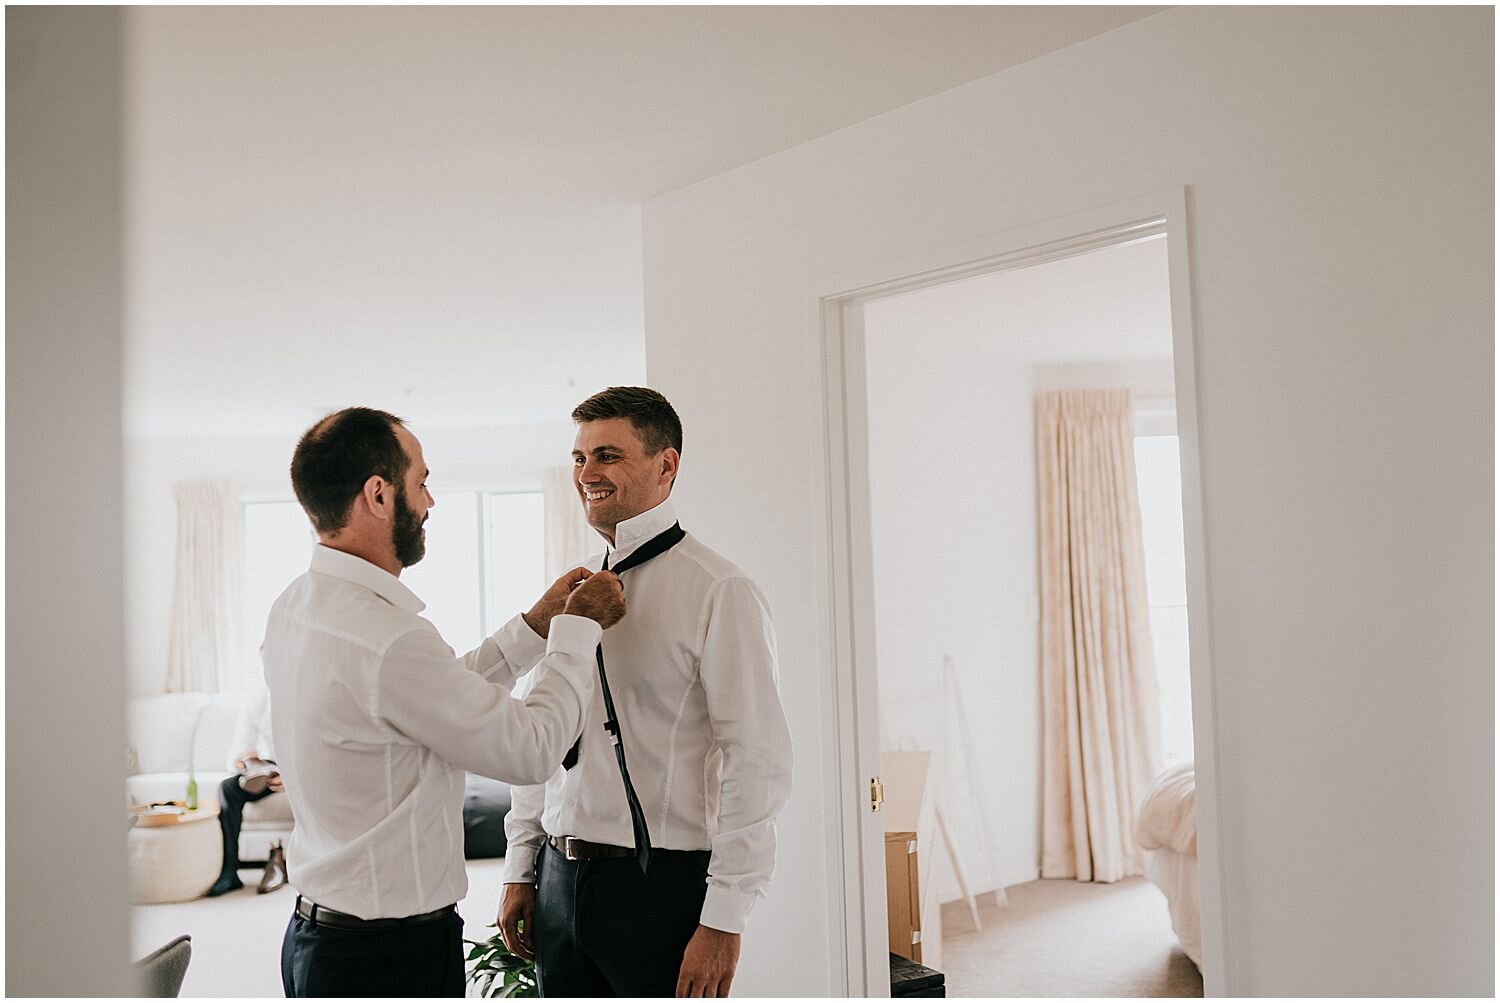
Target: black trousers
x=605, y=929
x=422, y=960
x=232, y=801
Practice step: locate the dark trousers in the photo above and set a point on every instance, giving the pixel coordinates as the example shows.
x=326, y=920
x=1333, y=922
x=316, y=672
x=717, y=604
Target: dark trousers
x=422, y=960
x=605, y=929
x=232, y=801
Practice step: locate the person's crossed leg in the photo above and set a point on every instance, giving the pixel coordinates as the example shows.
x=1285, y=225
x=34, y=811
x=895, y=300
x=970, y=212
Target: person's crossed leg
x=232, y=801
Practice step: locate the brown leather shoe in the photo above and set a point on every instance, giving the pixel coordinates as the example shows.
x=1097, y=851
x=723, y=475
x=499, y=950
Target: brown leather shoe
x=274, y=876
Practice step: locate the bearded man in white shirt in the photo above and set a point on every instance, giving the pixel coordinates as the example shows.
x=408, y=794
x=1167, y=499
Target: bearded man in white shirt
x=375, y=719
x=696, y=715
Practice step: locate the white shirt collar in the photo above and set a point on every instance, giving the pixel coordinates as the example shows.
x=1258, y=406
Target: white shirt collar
x=636, y=530
x=337, y=564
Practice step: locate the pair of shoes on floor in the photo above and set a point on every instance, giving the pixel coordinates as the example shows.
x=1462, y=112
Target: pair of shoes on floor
x=274, y=876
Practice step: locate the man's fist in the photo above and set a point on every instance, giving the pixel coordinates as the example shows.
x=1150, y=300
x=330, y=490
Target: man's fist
x=517, y=913
x=539, y=617
x=601, y=599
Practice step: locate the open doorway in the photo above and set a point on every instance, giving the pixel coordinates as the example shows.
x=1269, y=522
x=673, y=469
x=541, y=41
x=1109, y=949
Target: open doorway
x=944, y=599
x=955, y=374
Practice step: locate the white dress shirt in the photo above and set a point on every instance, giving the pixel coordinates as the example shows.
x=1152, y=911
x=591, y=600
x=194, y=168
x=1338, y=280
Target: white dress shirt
x=376, y=720
x=252, y=730
x=692, y=669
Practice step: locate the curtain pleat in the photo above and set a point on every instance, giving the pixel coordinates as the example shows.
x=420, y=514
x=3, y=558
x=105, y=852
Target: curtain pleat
x=1101, y=724
x=203, y=651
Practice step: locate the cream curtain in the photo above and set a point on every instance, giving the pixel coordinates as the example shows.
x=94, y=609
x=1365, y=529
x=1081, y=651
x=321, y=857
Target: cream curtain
x=568, y=537
x=1101, y=723
x=203, y=654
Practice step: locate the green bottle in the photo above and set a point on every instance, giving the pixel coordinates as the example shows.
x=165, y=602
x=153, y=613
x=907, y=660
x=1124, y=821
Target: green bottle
x=192, y=793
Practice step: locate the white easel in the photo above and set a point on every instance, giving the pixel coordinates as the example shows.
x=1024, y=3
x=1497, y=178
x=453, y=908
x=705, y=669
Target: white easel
x=949, y=693
x=978, y=794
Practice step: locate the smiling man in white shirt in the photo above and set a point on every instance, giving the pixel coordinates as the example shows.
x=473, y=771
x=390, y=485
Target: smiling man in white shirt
x=375, y=719
x=696, y=715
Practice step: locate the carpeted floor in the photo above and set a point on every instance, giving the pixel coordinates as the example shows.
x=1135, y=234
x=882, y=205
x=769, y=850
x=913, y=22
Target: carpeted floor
x=237, y=937
x=1066, y=938
x=1055, y=938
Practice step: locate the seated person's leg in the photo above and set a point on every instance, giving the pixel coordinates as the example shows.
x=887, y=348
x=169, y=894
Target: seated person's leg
x=232, y=800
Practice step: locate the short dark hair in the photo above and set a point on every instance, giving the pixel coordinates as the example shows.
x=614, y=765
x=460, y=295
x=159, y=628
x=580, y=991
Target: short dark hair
x=650, y=414
x=335, y=458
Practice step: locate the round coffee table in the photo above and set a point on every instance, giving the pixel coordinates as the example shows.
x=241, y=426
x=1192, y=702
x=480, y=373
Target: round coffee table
x=175, y=858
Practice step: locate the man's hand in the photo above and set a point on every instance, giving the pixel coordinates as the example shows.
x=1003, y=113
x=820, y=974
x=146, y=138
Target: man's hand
x=601, y=599
x=708, y=963
x=517, y=913
x=239, y=763
x=539, y=617
x=276, y=785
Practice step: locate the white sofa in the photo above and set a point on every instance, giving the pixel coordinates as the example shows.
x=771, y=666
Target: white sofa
x=171, y=732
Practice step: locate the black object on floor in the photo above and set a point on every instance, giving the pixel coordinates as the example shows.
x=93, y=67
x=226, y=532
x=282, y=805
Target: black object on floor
x=485, y=803
x=911, y=979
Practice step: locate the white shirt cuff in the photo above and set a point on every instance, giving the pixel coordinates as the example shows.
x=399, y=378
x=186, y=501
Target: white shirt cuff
x=576, y=635
x=520, y=645
x=520, y=865
x=726, y=909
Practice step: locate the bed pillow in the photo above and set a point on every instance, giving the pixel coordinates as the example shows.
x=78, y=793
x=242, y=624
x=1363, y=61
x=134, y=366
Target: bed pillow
x=1169, y=815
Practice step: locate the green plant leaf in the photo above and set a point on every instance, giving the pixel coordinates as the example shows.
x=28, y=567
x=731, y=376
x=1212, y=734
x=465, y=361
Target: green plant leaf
x=495, y=972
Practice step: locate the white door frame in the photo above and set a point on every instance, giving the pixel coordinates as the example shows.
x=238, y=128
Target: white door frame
x=856, y=861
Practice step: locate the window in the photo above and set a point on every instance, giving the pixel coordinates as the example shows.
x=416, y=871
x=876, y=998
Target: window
x=483, y=564
x=1159, y=483
x=516, y=568
x=276, y=539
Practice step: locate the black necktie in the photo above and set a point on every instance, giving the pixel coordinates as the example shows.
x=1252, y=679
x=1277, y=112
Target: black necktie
x=653, y=547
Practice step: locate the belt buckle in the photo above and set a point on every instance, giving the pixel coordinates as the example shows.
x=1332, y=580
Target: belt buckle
x=568, y=848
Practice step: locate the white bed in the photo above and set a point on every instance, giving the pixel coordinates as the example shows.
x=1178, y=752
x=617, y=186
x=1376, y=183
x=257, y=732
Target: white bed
x=1168, y=828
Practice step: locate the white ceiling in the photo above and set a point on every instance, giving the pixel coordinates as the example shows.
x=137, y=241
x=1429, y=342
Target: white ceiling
x=1107, y=306
x=437, y=210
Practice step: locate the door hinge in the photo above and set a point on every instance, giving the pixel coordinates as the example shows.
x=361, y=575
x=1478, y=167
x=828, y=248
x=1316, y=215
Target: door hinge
x=877, y=793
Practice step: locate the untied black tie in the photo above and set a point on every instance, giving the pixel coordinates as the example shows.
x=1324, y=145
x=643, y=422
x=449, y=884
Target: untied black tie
x=654, y=547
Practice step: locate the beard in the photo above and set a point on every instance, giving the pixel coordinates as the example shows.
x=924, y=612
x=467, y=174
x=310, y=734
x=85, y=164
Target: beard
x=407, y=535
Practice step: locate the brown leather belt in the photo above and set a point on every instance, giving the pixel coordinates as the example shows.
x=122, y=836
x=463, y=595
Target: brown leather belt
x=574, y=848
x=323, y=916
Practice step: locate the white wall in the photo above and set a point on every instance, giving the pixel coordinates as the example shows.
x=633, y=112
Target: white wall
x=953, y=513
x=66, y=931
x=1340, y=166
x=460, y=458
x=1143, y=378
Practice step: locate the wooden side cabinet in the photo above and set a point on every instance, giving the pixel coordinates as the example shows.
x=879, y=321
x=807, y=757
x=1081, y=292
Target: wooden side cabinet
x=914, y=922
x=903, y=894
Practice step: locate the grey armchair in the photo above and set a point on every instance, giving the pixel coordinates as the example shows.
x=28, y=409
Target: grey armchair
x=160, y=973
